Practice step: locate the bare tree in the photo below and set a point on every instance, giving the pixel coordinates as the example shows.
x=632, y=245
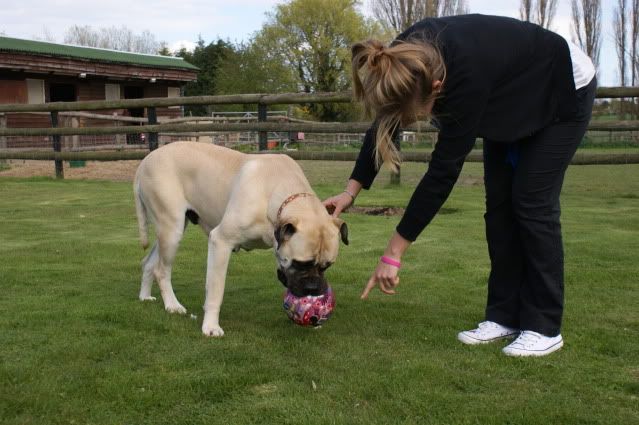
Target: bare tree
x=545, y=12
x=82, y=36
x=619, y=27
x=115, y=38
x=45, y=35
x=401, y=14
x=525, y=10
x=398, y=14
x=634, y=38
x=586, y=27
x=452, y=7
x=541, y=13
x=431, y=7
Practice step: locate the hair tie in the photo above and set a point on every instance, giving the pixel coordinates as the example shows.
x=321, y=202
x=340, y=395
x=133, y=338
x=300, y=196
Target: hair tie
x=380, y=51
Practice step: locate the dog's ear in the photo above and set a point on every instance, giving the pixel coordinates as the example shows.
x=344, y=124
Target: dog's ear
x=283, y=232
x=343, y=229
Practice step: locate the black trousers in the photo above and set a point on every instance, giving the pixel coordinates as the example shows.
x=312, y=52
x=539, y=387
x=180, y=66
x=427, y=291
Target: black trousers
x=523, y=180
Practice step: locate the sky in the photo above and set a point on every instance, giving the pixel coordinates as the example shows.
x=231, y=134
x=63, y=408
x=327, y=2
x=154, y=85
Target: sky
x=180, y=22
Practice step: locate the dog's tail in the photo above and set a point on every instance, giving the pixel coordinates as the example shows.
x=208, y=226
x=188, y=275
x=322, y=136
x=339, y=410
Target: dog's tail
x=141, y=212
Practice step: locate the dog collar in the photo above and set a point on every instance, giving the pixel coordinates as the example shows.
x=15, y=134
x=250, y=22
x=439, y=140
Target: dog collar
x=291, y=199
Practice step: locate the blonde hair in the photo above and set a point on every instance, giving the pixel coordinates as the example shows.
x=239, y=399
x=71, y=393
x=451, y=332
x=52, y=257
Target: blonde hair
x=393, y=82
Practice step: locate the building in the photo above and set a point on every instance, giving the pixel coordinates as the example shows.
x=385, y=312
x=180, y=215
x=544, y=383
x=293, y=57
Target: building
x=41, y=72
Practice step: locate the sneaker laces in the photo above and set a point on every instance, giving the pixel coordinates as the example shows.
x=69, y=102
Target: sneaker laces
x=527, y=339
x=490, y=328
x=487, y=324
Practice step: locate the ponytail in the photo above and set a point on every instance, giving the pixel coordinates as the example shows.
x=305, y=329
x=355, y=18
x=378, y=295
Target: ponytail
x=393, y=82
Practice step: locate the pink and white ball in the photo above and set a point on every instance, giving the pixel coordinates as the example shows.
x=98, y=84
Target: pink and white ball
x=311, y=310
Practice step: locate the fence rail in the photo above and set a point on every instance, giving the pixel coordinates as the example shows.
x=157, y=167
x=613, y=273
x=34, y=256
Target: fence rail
x=408, y=156
x=264, y=99
x=160, y=102
x=263, y=125
x=309, y=127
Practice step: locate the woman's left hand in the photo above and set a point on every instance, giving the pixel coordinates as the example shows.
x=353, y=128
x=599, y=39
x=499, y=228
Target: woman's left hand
x=386, y=276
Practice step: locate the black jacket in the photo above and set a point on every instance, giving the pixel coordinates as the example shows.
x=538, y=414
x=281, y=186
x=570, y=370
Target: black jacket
x=505, y=80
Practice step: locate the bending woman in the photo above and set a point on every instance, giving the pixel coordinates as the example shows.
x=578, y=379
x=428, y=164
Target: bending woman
x=529, y=95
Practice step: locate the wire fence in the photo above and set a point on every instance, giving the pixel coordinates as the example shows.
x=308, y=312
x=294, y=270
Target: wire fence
x=282, y=140
x=73, y=131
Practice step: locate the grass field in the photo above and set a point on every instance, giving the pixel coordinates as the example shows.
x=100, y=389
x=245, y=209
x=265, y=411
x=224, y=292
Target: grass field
x=76, y=347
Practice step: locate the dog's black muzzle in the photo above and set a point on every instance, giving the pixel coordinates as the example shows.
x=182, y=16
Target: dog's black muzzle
x=303, y=283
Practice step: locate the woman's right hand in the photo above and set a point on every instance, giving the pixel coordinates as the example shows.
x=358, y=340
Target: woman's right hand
x=338, y=203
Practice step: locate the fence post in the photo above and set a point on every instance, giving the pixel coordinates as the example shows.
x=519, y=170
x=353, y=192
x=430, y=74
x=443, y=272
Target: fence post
x=395, y=178
x=75, y=139
x=120, y=139
x=263, y=135
x=59, y=167
x=153, y=119
x=3, y=124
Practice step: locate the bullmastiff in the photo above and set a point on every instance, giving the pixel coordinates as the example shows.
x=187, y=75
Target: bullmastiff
x=241, y=201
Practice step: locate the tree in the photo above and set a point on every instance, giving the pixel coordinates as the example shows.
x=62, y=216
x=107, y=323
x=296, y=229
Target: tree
x=247, y=68
x=541, y=13
x=313, y=38
x=398, y=15
x=525, y=10
x=82, y=36
x=207, y=57
x=545, y=12
x=122, y=38
x=634, y=38
x=448, y=7
x=620, y=33
x=586, y=27
x=45, y=35
x=164, y=50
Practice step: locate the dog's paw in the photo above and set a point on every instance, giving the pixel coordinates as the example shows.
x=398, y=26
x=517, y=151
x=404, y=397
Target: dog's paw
x=175, y=309
x=214, y=331
x=147, y=298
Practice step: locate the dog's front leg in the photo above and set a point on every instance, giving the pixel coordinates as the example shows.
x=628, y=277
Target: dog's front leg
x=219, y=255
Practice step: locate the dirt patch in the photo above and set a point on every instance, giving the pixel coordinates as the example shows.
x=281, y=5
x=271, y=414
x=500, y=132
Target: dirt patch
x=93, y=170
x=390, y=211
x=384, y=211
x=470, y=181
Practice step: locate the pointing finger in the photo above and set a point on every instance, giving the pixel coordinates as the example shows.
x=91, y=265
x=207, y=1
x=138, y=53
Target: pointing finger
x=370, y=285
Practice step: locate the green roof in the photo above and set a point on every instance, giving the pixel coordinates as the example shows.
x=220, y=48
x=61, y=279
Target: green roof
x=8, y=44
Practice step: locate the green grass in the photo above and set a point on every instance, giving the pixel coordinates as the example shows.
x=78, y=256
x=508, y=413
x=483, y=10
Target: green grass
x=76, y=347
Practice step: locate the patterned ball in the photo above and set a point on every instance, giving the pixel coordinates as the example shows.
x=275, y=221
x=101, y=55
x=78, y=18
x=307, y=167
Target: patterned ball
x=309, y=310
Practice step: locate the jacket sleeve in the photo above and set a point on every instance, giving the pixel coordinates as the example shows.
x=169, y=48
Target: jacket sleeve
x=433, y=189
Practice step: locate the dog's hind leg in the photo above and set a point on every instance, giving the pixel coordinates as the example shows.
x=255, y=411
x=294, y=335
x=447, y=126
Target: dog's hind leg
x=148, y=264
x=169, y=235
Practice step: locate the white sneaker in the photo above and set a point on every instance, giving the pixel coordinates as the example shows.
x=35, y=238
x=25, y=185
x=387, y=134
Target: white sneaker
x=486, y=332
x=531, y=343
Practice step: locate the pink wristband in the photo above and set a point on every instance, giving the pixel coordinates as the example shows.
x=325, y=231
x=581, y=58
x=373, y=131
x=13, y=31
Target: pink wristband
x=390, y=261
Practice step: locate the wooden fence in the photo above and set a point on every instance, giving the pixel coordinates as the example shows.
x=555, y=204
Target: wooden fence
x=263, y=126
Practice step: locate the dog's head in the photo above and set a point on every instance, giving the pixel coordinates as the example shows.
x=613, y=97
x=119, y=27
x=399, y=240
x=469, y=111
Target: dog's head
x=305, y=249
